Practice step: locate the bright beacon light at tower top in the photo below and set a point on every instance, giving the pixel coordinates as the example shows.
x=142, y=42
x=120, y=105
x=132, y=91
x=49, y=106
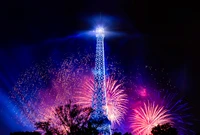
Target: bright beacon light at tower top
x=100, y=30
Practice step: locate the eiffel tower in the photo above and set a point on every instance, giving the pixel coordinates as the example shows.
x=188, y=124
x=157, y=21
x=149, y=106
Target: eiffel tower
x=99, y=103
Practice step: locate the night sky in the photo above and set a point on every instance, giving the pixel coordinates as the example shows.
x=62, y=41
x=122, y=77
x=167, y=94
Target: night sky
x=162, y=34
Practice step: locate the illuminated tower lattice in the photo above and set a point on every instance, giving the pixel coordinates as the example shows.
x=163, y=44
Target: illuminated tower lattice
x=99, y=96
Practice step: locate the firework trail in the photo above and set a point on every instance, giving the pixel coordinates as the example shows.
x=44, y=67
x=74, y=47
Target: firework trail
x=147, y=116
x=115, y=96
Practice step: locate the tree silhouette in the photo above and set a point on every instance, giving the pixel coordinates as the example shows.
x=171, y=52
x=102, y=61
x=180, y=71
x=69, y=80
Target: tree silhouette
x=25, y=133
x=165, y=129
x=119, y=133
x=127, y=133
x=72, y=119
x=47, y=128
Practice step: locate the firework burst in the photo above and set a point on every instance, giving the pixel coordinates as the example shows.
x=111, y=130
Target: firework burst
x=45, y=86
x=115, y=96
x=147, y=116
x=48, y=85
x=178, y=109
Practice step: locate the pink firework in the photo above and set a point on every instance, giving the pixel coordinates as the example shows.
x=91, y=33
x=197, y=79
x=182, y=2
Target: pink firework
x=147, y=116
x=115, y=96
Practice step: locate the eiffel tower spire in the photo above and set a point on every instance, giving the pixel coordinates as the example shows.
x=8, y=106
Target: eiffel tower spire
x=99, y=103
